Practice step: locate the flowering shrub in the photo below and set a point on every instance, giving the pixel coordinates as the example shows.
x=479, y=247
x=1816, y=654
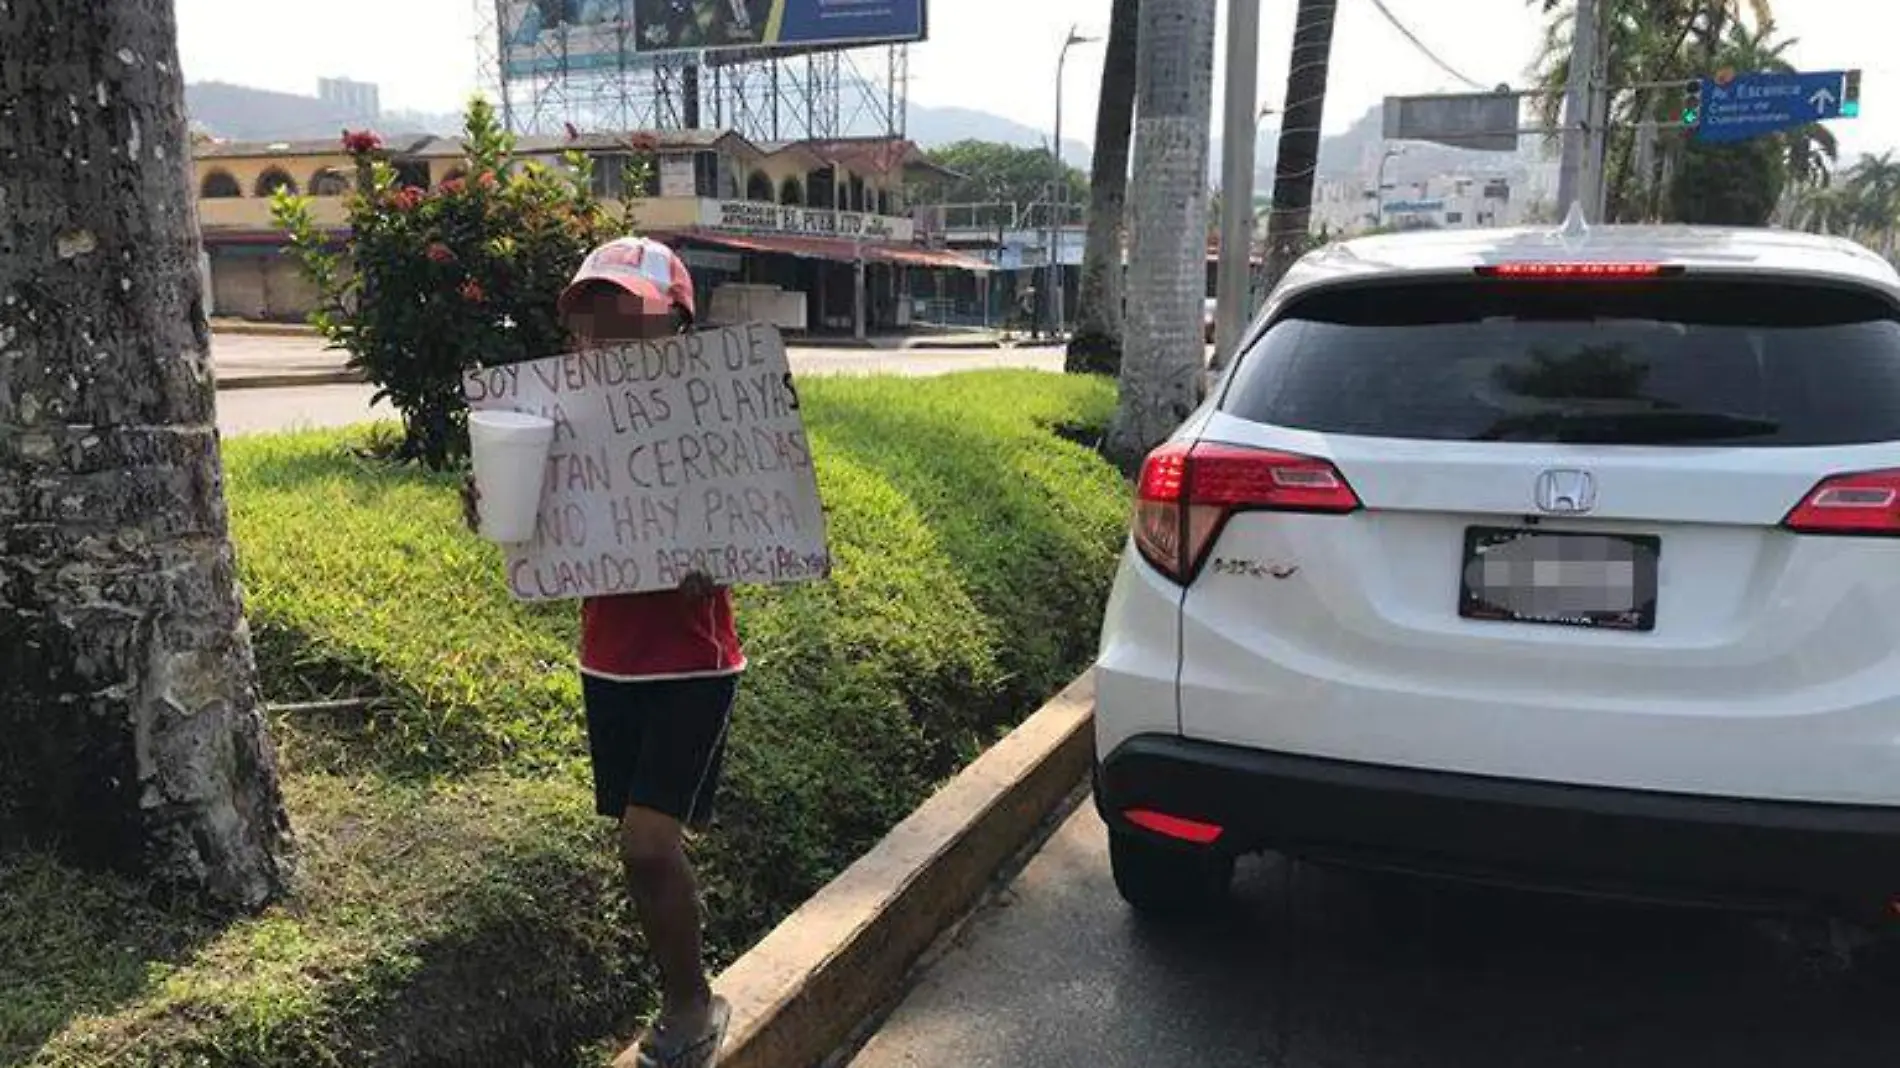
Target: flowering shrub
x=431, y=283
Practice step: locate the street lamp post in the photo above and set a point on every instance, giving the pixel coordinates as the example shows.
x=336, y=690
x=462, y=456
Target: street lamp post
x=1255, y=278
x=1378, y=191
x=1057, y=196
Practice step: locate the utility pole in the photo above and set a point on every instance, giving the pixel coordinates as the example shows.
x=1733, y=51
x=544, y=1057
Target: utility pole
x=1598, y=167
x=1234, y=304
x=1574, y=178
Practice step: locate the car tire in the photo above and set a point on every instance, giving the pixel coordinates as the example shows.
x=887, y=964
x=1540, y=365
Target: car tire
x=1161, y=880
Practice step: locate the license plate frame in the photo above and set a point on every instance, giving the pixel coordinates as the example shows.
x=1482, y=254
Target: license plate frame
x=1556, y=594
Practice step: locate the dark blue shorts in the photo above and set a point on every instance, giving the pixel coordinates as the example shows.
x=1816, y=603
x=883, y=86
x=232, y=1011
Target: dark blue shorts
x=658, y=745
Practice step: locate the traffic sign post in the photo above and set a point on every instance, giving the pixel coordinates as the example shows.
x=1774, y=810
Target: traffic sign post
x=1754, y=105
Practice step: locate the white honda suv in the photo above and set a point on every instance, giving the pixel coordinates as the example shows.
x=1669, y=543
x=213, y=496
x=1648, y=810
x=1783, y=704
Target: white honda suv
x=1561, y=559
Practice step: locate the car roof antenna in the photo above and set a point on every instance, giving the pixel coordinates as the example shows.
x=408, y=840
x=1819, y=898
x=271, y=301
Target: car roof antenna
x=1576, y=226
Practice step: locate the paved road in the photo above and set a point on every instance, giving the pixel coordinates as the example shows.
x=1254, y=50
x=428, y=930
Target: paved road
x=249, y=411
x=1315, y=968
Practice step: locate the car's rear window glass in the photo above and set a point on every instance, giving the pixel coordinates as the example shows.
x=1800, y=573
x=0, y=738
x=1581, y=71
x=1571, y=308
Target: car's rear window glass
x=1658, y=362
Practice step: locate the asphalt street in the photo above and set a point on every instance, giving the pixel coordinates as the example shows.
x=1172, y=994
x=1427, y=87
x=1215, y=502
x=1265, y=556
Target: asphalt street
x=1315, y=968
x=250, y=411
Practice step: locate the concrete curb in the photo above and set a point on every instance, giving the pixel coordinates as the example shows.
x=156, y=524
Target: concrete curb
x=251, y=329
x=290, y=380
x=804, y=992
x=928, y=346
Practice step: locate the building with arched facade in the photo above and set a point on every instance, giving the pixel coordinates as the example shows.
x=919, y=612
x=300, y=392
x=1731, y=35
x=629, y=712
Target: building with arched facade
x=814, y=236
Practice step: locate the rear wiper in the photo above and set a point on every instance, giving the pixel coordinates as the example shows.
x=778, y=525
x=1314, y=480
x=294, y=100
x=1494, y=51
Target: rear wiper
x=1657, y=427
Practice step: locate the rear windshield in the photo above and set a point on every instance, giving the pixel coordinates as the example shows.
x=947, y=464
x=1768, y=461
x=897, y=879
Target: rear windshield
x=1662, y=362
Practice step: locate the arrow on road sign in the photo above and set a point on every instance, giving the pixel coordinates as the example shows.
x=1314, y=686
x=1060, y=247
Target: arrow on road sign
x=1760, y=103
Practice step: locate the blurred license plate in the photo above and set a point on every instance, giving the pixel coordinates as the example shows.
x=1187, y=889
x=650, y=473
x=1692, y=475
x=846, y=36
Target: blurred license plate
x=1605, y=581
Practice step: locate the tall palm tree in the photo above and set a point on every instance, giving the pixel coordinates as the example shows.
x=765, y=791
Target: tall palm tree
x=1873, y=186
x=1824, y=209
x=1097, y=344
x=134, y=734
x=1163, y=365
x=1298, y=159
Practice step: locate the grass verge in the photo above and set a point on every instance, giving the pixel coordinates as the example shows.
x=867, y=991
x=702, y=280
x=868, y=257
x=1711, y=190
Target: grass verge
x=457, y=902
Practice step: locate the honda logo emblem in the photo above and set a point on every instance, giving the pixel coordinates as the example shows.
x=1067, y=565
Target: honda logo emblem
x=1566, y=492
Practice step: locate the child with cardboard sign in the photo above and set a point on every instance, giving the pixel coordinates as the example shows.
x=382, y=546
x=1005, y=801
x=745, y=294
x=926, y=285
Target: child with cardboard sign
x=660, y=671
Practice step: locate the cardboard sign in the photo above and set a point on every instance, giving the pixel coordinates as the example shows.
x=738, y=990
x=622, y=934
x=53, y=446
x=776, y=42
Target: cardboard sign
x=669, y=457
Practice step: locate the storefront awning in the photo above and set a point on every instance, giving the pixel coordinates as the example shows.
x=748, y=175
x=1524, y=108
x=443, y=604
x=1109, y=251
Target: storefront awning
x=805, y=248
x=838, y=250
x=935, y=257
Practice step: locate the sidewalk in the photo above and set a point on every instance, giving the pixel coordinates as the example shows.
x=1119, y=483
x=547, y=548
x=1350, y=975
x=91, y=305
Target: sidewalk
x=922, y=337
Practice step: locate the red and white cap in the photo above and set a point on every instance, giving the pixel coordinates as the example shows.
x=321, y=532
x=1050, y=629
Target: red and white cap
x=641, y=266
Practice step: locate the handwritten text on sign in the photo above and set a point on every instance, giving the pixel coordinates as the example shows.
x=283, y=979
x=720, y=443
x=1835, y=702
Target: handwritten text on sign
x=669, y=457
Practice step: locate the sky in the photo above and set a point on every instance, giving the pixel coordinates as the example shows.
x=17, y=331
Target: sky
x=999, y=55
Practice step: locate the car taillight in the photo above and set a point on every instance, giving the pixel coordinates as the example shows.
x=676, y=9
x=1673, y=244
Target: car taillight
x=1188, y=491
x=1864, y=503
x=1572, y=272
x=1181, y=828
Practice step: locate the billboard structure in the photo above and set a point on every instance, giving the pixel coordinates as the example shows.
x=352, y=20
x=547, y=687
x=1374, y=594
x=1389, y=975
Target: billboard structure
x=770, y=69
x=539, y=36
x=686, y=25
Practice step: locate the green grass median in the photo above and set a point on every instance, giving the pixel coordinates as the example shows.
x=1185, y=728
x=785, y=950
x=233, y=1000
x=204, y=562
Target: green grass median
x=457, y=900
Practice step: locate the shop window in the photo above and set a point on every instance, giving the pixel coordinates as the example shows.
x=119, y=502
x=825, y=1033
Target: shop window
x=219, y=185
x=329, y=182
x=273, y=180
x=706, y=174
x=821, y=188
x=610, y=175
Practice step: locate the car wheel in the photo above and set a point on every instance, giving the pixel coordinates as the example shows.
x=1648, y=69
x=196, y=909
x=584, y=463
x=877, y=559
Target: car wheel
x=1162, y=880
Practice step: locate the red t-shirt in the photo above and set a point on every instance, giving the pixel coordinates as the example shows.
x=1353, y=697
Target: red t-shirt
x=662, y=635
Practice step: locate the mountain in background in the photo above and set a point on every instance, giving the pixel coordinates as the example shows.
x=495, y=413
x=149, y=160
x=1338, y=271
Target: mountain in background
x=933, y=127
x=240, y=113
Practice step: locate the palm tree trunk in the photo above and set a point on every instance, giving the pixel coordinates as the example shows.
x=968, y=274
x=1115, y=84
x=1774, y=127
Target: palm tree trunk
x=1096, y=347
x=1299, y=138
x=135, y=738
x=1164, y=364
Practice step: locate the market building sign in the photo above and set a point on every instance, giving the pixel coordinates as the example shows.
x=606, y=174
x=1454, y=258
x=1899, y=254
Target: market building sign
x=759, y=217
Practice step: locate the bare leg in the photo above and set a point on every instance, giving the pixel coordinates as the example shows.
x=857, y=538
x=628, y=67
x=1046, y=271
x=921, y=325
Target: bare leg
x=667, y=897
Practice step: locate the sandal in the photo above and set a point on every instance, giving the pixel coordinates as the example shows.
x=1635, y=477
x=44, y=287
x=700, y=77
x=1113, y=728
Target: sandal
x=663, y=1049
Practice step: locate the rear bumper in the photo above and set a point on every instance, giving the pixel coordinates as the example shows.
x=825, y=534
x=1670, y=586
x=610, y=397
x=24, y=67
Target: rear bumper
x=1592, y=840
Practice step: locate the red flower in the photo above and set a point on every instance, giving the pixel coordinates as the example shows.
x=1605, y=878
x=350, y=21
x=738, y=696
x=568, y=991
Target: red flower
x=361, y=142
x=406, y=198
x=441, y=253
x=453, y=185
x=486, y=179
x=472, y=292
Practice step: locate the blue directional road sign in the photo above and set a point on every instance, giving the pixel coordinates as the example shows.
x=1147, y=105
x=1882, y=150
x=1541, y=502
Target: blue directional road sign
x=1752, y=105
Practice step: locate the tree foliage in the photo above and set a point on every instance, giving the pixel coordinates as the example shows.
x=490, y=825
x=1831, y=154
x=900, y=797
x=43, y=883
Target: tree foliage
x=990, y=171
x=1864, y=203
x=1663, y=41
x=432, y=283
